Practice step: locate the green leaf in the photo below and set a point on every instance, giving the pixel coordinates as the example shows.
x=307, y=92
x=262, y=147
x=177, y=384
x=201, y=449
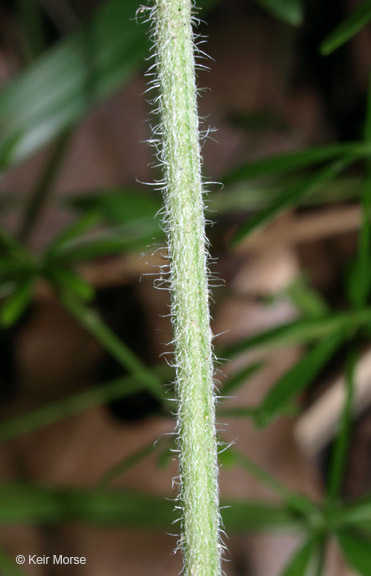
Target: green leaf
x=253, y=412
x=67, y=81
x=299, y=332
x=7, y=153
x=13, y=308
x=30, y=504
x=300, y=562
x=100, y=244
x=39, y=195
x=124, y=206
x=242, y=516
x=298, y=378
x=356, y=21
x=264, y=477
x=358, y=275
x=356, y=515
x=75, y=404
x=72, y=232
x=61, y=86
x=290, y=198
x=132, y=212
x=240, y=377
x=290, y=11
x=340, y=450
x=307, y=301
x=67, y=280
x=92, y=322
x=128, y=463
x=291, y=161
x=357, y=551
x=293, y=501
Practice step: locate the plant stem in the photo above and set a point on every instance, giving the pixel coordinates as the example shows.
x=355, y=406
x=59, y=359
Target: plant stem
x=184, y=218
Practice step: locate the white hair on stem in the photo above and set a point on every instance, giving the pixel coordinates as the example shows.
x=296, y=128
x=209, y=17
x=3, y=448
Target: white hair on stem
x=176, y=141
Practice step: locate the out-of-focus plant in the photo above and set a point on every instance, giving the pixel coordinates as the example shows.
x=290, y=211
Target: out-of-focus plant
x=60, y=85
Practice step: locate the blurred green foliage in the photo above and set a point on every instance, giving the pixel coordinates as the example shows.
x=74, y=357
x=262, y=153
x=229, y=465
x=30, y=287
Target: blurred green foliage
x=42, y=105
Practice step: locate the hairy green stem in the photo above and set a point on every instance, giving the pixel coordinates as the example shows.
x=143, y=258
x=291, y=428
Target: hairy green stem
x=184, y=217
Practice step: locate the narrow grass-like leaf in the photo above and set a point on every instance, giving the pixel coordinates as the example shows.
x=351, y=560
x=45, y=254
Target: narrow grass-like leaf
x=253, y=412
x=39, y=196
x=242, y=516
x=297, y=503
x=291, y=161
x=299, y=332
x=289, y=386
x=355, y=515
x=290, y=198
x=66, y=280
x=240, y=377
x=124, y=206
x=30, y=504
x=319, y=560
x=300, y=562
x=102, y=243
x=16, y=304
x=70, y=233
x=92, y=322
x=76, y=404
x=307, y=301
x=239, y=459
x=128, y=463
x=71, y=78
x=290, y=11
x=340, y=450
x=356, y=21
x=7, y=151
x=132, y=213
x=357, y=551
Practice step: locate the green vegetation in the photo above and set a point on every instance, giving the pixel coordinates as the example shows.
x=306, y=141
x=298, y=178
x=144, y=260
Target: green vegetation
x=60, y=85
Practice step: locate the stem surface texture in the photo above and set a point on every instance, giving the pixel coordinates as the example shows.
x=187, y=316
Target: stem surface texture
x=179, y=153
